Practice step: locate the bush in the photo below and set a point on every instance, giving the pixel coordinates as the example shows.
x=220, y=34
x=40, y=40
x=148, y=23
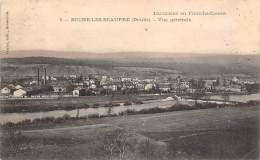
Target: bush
x=111, y=104
x=129, y=111
x=93, y=116
x=69, y=108
x=139, y=102
x=48, y=119
x=121, y=113
x=253, y=102
x=127, y=103
x=36, y=120
x=59, y=120
x=211, y=105
x=96, y=105
x=108, y=105
x=181, y=107
x=26, y=121
x=116, y=104
x=66, y=116
x=9, y=124
x=152, y=110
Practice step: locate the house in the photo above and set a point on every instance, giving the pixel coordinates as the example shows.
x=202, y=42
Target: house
x=127, y=85
x=33, y=83
x=5, y=91
x=192, y=90
x=92, y=81
x=209, y=84
x=184, y=85
x=235, y=80
x=92, y=86
x=86, y=83
x=124, y=79
x=113, y=87
x=53, y=78
x=149, y=80
x=165, y=87
x=248, y=82
x=75, y=92
x=18, y=86
x=79, y=92
x=20, y=92
x=59, y=89
x=110, y=86
x=148, y=86
x=140, y=86
x=104, y=78
x=118, y=85
x=61, y=86
x=49, y=78
x=79, y=84
x=73, y=76
x=234, y=89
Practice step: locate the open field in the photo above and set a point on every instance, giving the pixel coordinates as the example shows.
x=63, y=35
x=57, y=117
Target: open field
x=220, y=133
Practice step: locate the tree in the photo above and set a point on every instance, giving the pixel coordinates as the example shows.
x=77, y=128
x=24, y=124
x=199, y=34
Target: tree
x=206, y=97
x=77, y=115
x=70, y=88
x=115, y=143
x=225, y=96
x=148, y=149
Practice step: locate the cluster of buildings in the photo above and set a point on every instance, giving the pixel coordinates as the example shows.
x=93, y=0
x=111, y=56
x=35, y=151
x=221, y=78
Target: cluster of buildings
x=78, y=85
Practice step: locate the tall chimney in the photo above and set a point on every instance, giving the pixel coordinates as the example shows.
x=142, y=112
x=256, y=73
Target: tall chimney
x=38, y=77
x=44, y=76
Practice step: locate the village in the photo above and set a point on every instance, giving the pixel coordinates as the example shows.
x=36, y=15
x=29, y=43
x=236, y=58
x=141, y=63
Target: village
x=43, y=85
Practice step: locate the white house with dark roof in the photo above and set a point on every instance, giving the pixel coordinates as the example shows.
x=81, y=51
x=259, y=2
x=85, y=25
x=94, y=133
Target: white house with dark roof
x=18, y=86
x=75, y=92
x=5, y=91
x=20, y=92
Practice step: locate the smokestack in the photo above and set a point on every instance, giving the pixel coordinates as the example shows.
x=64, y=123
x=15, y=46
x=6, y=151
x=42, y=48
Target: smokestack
x=49, y=78
x=44, y=76
x=38, y=77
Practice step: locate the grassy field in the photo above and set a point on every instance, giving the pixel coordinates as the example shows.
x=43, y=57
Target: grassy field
x=223, y=133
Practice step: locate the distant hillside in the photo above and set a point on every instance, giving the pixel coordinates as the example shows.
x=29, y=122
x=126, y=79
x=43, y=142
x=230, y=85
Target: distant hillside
x=82, y=57
x=202, y=65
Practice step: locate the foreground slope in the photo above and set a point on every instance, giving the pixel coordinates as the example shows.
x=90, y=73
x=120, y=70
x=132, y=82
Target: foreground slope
x=224, y=133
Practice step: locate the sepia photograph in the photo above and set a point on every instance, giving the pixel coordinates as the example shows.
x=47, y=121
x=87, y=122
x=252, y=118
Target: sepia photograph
x=129, y=80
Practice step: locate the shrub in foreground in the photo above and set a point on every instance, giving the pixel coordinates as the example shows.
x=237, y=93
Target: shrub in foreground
x=127, y=103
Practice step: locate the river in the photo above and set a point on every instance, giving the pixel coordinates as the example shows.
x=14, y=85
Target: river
x=85, y=112
x=102, y=111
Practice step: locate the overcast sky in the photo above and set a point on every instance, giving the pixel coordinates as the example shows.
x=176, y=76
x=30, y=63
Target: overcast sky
x=36, y=25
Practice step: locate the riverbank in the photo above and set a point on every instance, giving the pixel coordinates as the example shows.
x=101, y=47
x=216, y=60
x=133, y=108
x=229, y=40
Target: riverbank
x=150, y=108
x=70, y=103
x=97, y=107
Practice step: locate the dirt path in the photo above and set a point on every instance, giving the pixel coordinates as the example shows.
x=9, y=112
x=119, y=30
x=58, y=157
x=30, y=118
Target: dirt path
x=68, y=128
